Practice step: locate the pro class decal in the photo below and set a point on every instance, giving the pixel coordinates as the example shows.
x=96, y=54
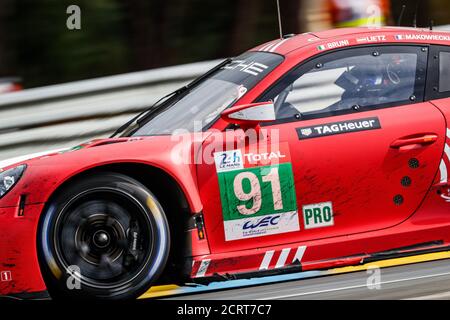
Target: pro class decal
x=257, y=193
x=329, y=129
x=318, y=215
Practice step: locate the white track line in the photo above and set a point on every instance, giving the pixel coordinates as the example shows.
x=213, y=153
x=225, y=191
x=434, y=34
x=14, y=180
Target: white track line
x=442, y=295
x=353, y=287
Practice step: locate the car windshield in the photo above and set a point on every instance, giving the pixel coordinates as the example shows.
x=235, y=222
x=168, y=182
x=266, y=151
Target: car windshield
x=205, y=102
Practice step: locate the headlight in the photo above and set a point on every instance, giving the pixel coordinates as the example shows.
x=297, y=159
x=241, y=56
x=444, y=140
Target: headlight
x=9, y=178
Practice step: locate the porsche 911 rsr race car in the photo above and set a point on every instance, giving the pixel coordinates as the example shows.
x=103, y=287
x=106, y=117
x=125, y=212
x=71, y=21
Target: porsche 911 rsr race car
x=308, y=152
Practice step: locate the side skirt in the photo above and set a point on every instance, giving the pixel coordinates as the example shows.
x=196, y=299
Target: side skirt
x=205, y=271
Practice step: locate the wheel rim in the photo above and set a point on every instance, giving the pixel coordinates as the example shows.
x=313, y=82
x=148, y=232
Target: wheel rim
x=107, y=235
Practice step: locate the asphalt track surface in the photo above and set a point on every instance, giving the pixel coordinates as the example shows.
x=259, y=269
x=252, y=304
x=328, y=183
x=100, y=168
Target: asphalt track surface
x=420, y=281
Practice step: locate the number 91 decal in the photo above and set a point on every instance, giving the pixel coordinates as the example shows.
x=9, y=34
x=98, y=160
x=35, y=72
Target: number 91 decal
x=256, y=200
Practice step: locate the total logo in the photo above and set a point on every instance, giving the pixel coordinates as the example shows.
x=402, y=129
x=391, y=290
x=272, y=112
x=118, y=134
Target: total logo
x=234, y=160
x=255, y=157
x=263, y=222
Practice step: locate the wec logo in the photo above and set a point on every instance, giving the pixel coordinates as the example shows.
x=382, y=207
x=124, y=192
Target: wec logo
x=264, y=222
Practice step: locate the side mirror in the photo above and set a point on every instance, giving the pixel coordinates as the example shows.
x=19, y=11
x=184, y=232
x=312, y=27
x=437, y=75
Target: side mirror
x=250, y=115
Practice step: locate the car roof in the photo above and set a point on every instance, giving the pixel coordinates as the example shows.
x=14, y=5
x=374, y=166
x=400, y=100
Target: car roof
x=355, y=36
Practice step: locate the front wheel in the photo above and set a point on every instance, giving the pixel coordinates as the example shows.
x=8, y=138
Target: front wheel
x=105, y=237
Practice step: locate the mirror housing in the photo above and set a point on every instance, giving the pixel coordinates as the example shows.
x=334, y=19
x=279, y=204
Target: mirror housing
x=250, y=115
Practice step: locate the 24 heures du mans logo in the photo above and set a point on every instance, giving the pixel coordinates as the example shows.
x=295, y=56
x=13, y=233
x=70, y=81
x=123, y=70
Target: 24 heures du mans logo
x=329, y=129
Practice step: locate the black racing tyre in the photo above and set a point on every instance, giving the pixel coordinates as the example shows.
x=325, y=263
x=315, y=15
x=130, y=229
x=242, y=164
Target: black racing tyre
x=103, y=237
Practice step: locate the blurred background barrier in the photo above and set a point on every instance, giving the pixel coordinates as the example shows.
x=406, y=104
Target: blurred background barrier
x=64, y=115
x=60, y=116
x=116, y=41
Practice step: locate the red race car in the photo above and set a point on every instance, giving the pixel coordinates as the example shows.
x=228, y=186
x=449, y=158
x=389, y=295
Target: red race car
x=8, y=85
x=308, y=152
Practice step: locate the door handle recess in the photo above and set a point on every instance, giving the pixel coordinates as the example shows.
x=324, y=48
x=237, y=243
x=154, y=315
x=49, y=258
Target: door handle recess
x=412, y=141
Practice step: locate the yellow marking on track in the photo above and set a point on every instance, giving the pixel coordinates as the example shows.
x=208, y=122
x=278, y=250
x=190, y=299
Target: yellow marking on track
x=394, y=262
x=159, y=291
x=166, y=290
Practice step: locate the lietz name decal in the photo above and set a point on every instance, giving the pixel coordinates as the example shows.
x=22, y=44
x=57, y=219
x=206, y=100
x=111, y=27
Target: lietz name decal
x=329, y=129
x=257, y=193
x=371, y=39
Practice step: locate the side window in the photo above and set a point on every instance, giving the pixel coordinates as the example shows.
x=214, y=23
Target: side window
x=444, y=72
x=351, y=80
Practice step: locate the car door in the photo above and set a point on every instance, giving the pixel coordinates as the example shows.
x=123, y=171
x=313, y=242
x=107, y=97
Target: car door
x=438, y=92
x=358, y=145
x=365, y=146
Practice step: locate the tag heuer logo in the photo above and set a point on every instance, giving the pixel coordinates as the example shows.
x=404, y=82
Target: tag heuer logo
x=329, y=129
x=307, y=132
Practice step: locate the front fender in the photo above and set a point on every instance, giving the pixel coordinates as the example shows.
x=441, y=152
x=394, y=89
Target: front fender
x=42, y=178
x=45, y=175
x=19, y=266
